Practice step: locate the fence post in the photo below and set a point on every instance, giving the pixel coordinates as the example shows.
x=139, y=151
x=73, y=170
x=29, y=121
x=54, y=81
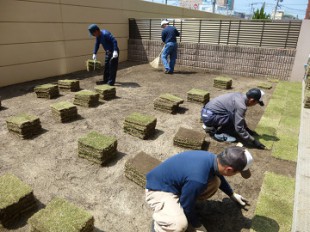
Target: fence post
x=229, y=29
x=288, y=33
x=181, y=30
x=262, y=35
x=220, y=31
x=238, y=35
x=150, y=32
x=199, y=31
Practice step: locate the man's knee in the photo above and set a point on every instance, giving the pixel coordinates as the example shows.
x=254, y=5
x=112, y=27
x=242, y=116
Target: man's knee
x=176, y=224
x=181, y=224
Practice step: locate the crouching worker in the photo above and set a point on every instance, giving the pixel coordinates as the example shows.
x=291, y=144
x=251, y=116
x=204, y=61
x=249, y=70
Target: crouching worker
x=224, y=116
x=173, y=187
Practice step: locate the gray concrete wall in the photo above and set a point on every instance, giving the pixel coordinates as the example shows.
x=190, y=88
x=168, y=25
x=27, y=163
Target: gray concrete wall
x=302, y=53
x=44, y=38
x=222, y=59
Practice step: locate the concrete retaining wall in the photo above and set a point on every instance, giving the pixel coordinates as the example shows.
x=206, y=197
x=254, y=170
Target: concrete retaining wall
x=222, y=59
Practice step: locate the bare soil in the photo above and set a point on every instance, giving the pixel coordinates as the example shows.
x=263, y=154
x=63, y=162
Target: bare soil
x=49, y=162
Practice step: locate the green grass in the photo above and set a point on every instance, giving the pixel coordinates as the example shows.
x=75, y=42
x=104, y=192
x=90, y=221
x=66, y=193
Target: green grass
x=274, y=209
x=66, y=81
x=60, y=215
x=140, y=119
x=12, y=189
x=198, y=92
x=86, y=93
x=45, y=86
x=279, y=126
x=223, y=79
x=264, y=85
x=172, y=98
x=21, y=119
x=62, y=105
x=97, y=141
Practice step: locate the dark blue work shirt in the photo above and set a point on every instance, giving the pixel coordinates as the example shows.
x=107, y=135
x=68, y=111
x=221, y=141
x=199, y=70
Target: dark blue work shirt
x=169, y=34
x=187, y=175
x=107, y=40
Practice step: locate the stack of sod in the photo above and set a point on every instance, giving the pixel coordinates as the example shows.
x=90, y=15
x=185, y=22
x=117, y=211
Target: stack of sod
x=64, y=111
x=307, y=99
x=307, y=86
x=188, y=138
x=86, y=98
x=264, y=85
x=137, y=167
x=24, y=125
x=47, y=91
x=139, y=125
x=61, y=215
x=97, y=147
x=106, y=91
x=198, y=96
x=167, y=103
x=222, y=82
x=16, y=198
x=69, y=85
x=92, y=65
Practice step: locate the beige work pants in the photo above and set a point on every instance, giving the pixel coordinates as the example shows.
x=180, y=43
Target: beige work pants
x=168, y=213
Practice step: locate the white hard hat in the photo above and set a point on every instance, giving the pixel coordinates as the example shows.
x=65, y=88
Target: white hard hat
x=164, y=22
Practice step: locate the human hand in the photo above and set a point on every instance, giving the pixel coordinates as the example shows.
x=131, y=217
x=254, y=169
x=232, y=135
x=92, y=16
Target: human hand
x=94, y=57
x=251, y=132
x=115, y=54
x=258, y=145
x=240, y=200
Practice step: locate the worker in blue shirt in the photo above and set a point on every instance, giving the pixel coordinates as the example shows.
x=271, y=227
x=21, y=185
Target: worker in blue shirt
x=173, y=187
x=168, y=36
x=109, y=44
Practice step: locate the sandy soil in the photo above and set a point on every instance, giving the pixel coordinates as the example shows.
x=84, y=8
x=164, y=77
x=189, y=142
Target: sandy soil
x=49, y=162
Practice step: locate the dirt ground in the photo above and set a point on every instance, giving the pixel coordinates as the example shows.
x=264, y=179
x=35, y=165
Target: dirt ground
x=49, y=162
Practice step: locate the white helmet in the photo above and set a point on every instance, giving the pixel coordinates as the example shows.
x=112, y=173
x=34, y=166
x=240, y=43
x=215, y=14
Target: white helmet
x=165, y=21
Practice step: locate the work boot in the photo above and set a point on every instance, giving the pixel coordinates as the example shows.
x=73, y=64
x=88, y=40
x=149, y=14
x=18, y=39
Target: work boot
x=225, y=138
x=209, y=129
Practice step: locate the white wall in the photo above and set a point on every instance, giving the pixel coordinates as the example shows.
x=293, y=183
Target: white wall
x=43, y=38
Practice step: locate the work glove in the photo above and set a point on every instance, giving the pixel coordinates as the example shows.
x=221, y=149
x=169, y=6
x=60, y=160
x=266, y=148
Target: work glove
x=251, y=132
x=258, y=145
x=94, y=57
x=115, y=54
x=240, y=200
x=201, y=229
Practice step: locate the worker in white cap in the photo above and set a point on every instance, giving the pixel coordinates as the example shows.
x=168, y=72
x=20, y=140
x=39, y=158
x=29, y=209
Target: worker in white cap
x=168, y=36
x=224, y=116
x=174, y=186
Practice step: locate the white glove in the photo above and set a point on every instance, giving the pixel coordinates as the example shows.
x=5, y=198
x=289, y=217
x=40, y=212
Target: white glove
x=239, y=199
x=94, y=57
x=201, y=229
x=115, y=55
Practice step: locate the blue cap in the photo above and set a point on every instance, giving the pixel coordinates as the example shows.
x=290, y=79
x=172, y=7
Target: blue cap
x=92, y=28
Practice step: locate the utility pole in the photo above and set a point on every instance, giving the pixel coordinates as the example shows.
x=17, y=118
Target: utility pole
x=213, y=6
x=276, y=8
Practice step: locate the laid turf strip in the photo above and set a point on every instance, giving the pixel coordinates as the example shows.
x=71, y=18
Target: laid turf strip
x=274, y=209
x=279, y=126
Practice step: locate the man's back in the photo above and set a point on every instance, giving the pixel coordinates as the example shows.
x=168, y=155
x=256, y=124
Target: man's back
x=169, y=34
x=227, y=103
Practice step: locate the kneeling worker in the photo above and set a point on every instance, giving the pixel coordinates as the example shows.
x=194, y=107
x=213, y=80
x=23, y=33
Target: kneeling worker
x=224, y=116
x=173, y=187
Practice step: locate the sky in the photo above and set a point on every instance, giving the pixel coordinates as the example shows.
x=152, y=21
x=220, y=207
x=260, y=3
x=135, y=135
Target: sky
x=292, y=7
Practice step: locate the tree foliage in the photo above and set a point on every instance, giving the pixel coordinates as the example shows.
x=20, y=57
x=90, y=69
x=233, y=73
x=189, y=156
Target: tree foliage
x=261, y=14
